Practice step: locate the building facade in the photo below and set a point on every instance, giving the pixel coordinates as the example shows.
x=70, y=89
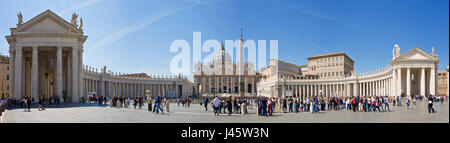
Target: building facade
x=4, y=76
x=224, y=79
x=443, y=83
x=46, y=57
x=411, y=73
x=333, y=65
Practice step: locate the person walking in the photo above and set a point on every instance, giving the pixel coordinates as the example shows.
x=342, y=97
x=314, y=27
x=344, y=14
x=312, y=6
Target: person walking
x=216, y=103
x=430, y=104
x=28, y=104
x=158, y=105
x=407, y=103
x=40, y=104
x=206, y=103
x=386, y=104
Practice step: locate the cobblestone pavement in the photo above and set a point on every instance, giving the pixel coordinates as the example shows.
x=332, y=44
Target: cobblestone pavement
x=196, y=114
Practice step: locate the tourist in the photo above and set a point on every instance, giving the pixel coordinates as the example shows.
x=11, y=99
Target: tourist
x=386, y=104
x=407, y=103
x=40, y=103
x=377, y=104
x=229, y=106
x=158, y=101
x=284, y=105
x=302, y=104
x=224, y=105
x=216, y=103
x=205, y=101
x=430, y=104
x=149, y=104
x=264, y=106
x=141, y=102
x=28, y=103
x=360, y=104
x=220, y=105
x=269, y=103
x=308, y=102
x=373, y=102
x=290, y=104
x=296, y=105
x=135, y=102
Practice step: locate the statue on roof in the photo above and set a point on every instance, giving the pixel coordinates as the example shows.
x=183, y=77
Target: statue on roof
x=19, y=19
x=393, y=53
x=432, y=51
x=397, y=49
x=74, y=19
x=81, y=23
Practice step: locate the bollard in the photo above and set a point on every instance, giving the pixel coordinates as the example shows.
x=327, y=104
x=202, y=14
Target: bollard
x=167, y=107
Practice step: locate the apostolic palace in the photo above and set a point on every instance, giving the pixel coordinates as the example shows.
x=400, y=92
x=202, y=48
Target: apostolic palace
x=46, y=59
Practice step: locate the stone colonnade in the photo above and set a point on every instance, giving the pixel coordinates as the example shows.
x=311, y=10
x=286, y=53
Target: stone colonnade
x=113, y=84
x=385, y=82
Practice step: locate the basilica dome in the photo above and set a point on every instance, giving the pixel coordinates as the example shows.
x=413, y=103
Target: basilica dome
x=222, y=56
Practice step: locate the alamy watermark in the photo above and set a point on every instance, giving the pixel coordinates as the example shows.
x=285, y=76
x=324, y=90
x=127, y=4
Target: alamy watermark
x=224, y=63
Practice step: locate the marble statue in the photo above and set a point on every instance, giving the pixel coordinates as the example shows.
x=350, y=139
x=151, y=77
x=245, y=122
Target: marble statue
x=19, y=18
x=74, y=19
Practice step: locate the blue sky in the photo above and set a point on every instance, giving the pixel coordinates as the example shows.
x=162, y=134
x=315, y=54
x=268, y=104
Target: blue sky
x=135, y=36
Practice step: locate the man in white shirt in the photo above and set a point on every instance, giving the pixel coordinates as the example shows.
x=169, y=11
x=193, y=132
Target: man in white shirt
x=216, y=103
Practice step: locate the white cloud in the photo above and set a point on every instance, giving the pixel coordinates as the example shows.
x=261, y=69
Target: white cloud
x=309, y=12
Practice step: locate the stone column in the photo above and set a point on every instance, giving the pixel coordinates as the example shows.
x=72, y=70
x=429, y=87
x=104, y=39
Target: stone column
x=308, y=90
x=433, y=81
x=34, y=74
x=76, y=97
x=75, y=75
x=394, y=82
x=304, y=91
x=408, y=82
x=422, y=82
x=59, y=73
x=18, y=73
x=399, y=82
x=11, y=70
x=102, y=88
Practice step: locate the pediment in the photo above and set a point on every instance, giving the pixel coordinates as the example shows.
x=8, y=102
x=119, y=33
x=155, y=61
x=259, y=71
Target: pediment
x=47, y=22
x=47, y=25
x=416, y=54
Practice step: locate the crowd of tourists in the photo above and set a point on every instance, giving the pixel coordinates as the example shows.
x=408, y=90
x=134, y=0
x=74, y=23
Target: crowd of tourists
x=267, y=106
x=101, y=100
x=185, y=102
x=227, y=105
x=27, y=103
x=155, y=105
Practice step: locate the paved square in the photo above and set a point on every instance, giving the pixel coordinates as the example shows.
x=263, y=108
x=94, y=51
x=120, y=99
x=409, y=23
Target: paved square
x=195, y=114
